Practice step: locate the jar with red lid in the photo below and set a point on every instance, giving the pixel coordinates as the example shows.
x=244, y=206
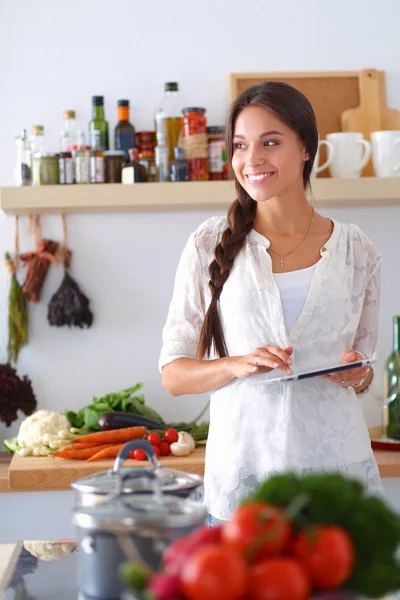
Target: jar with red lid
x=217, y=158
x=194, y=142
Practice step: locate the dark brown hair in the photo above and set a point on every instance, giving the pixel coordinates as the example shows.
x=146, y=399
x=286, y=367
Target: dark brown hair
x=294, y=109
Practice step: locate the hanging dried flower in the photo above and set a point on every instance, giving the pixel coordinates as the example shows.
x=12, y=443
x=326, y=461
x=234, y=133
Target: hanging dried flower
x=16, y=394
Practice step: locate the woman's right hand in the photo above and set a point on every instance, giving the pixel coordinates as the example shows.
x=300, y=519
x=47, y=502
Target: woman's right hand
x=261, y=360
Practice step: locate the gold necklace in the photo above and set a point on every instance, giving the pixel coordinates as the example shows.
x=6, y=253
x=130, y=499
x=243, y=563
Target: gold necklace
x=282, y=256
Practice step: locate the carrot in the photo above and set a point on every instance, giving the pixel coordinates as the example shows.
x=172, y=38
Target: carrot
x=107, y=452
x=77, y=454
x=114, y=436
x=83, y=445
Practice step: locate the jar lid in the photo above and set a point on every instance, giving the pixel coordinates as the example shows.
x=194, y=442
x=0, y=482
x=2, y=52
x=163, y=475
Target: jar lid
x=190, y=109
x=138, y=480
x=69, y=114
x=141, y=514
x=114, y=153
x=216, y=129
x=123, y=103
x=37, y=130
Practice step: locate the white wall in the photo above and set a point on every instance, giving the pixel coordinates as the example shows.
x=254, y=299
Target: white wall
x=56, y=55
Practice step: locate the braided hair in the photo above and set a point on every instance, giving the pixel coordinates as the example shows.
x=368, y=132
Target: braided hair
x=294, y=109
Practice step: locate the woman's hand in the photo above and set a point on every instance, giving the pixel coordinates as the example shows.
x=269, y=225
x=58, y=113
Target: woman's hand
x=355, y=378
x=261, y=360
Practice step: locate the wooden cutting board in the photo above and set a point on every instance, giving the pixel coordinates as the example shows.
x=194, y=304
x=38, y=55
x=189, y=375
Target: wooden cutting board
x=372, y=113
x=36, y=473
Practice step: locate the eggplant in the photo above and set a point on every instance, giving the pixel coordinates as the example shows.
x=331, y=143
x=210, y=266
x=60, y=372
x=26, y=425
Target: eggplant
x=120, y=420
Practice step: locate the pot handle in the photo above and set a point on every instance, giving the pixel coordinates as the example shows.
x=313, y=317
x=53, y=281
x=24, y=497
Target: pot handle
x=133, y=445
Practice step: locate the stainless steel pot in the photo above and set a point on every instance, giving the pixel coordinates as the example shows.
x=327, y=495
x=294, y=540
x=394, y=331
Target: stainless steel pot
x=136, y=528
x=94, y=489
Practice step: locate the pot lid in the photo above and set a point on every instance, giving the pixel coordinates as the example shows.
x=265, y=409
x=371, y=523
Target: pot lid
x=141, y=514
x=137, y=480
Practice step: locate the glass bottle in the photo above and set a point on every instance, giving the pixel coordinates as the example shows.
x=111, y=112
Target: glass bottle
x=124, y=133
x=392, y=385
x=81, y=156
x=37, y=139
x=180, y=167
x=162, y=158
x=168, y=119
x=134, y=172
x=96, y=159
x=22, y=171
x=98, y=123
x=68, y=134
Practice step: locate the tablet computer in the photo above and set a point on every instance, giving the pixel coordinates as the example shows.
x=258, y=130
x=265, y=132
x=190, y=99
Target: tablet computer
x=276, y=376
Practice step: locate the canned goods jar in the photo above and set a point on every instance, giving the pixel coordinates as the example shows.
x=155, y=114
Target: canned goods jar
x=45, y=169
x=145, y=141
x=113, y=163
x=65, y=168
x=194, y=142
x=217, y=159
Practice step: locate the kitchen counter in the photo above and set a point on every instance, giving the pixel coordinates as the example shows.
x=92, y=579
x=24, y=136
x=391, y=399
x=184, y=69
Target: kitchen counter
x=56, y=474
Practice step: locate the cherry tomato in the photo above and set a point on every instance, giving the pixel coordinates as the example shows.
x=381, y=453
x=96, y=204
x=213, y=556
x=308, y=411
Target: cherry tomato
x=171, y=436
x=278, y=578
x=156, y=450
x=257, y=530
x=327, y=553
x=164, y=449
x=138, y=454
x=214, y=572
x=154, y=438
x=175, y=554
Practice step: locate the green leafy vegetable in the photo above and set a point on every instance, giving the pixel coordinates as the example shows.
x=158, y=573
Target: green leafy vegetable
x=129, y=401
x=335, y=499
x=11, y=445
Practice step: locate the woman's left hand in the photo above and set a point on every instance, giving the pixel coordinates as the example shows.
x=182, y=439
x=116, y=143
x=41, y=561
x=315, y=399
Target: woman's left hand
x=352, y=377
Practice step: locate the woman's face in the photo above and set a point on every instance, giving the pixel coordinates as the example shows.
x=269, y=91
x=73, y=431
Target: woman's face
x=268, y=158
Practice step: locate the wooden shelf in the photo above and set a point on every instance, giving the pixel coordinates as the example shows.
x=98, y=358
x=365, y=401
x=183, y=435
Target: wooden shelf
x=162, y=197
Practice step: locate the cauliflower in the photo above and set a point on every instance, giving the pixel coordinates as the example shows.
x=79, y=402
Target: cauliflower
x=49, y=550
x=41, y=423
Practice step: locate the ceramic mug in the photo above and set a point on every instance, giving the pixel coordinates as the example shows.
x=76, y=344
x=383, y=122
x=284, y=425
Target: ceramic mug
x=317, y=168
x=386, y=153
x=351, y=154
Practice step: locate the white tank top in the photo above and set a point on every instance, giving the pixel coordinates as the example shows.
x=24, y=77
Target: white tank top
x=293, y=288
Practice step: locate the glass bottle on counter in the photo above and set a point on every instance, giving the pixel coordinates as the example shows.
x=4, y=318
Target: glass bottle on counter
x=98, y=123
x=124, y=133
x=81, y=156
x=392, y=385
x=68, y=134
x=168, y=119
x=22, y=171
x=179, y=168
x=134, y=172
x=96, y=159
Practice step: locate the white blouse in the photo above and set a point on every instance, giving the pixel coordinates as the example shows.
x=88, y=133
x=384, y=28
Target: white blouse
x=293, y=291
x=307, y=425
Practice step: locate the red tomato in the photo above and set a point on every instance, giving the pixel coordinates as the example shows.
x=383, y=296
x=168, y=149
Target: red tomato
x=156, y=450
x=257, y=530
x=171, y=436
x=212, y=573
x=327, y=553
x=164, y=449
x=176, y=553
x=154, y=438
x=278, y=578
x=138, y=454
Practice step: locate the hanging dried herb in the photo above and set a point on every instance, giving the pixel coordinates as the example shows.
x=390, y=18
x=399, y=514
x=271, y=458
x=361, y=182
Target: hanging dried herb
x=37, y=266
x=17, y=314
x=69, y=306
x=16, y=394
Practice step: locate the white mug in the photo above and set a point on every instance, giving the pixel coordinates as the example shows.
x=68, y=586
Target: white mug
x=351, y=154
x=317, y=168
x=386, y=153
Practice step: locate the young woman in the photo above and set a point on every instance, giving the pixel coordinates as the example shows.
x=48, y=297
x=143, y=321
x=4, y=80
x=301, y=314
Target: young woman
x=275, y=285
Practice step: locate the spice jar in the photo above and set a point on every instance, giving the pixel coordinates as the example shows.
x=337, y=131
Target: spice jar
x=145, y=142
x=45, y=169
x=113, y=162
x=194, y=142
x=217, y=160
x=65, y=168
